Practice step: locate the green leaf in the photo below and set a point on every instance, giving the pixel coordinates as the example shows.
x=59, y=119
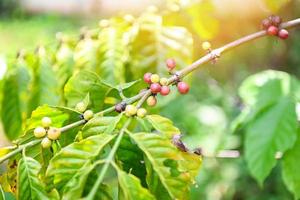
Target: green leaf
x=66, y=163
x=29, y=185
x=131, y=187
x=272, y=131
x=44, y=84
x=75, y=186
x=290, y=169
x=85, y=82
x=2, y=195
x=163, y=125
x=12, y=107
x=168, y=163
x=99, y=125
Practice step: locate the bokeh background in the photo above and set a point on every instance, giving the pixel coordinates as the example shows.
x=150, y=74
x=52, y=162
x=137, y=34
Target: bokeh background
x=206, y=113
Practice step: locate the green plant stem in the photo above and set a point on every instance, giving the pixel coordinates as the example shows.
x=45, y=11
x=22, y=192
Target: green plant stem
x=108, y=161
x=19, y=149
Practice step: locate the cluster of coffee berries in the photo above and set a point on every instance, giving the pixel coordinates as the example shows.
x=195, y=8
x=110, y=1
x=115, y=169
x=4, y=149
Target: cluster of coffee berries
x=46, y=132
x=86, y=114
x=131, y=110
x=161, y=85
x=271, y=25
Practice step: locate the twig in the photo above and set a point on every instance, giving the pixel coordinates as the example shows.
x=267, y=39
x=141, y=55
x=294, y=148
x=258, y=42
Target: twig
x=233, y=154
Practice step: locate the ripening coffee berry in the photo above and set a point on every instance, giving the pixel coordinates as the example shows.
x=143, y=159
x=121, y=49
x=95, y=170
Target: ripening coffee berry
x=119, y=107
x=80, y=107
x=272, y=30
x=53, y=133
x=87, y=115
x=276, y=20
x=130, y=110
x=141, y=112
x=46, y=122
x=46, y=143
x=163, y=81
x=165, y=90
x=155, y=88
x=283, y=34
x=151, y=101
x=206, y=46
x=154, y=78
x=266, y=23
x=183, y=87
x=39, y=132
x=171, y=63
x=147, y=78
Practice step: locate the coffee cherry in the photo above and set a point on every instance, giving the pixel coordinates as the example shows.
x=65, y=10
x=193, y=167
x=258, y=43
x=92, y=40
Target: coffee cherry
x=147, y=77
x=163, y=81
x=155, y=88
x=276, y=20
x=53, y=133
x=46, y=122
x=272, y=30
x=183, y=87
x=266, y=23
x=151, y=101
x=154, y=78
x=165, y=90
x=283, y=34
x=120, y=107
x=171, y=63
x=39, y=132
x=80, y=107
x=141, y=112
x=130, y=110
x=46, y=143
x=87, y=115
x=206, y=46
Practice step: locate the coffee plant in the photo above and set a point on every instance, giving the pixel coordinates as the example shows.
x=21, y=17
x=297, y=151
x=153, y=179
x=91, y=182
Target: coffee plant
x=79, y=114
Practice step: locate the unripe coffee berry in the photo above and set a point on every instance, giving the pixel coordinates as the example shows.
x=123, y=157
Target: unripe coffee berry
x=130, y=110
x=87, y=115
x=151, y=101
x=171, y=63
x=46, y=143
x=155, y=88
x=39, y=132
x=272, y=30
x=165, y=90
x=154, y=78
x=183, y=87
x=80, y=107
x=283, y=34
x=46, y=122
x=206, y=46
x=141, y=112
x=147, y=78
x=163, y=81
x=53, y=133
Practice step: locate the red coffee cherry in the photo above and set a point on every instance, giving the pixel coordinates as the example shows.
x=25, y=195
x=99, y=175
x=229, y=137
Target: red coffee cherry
x=272, y=30
x=151, y=101
x=155, y=88
x=266, y=23
x=183, y=87
x=171, y=64
x=165, y=90
x=283, y=34
x=147, y=77
x=119, y=107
